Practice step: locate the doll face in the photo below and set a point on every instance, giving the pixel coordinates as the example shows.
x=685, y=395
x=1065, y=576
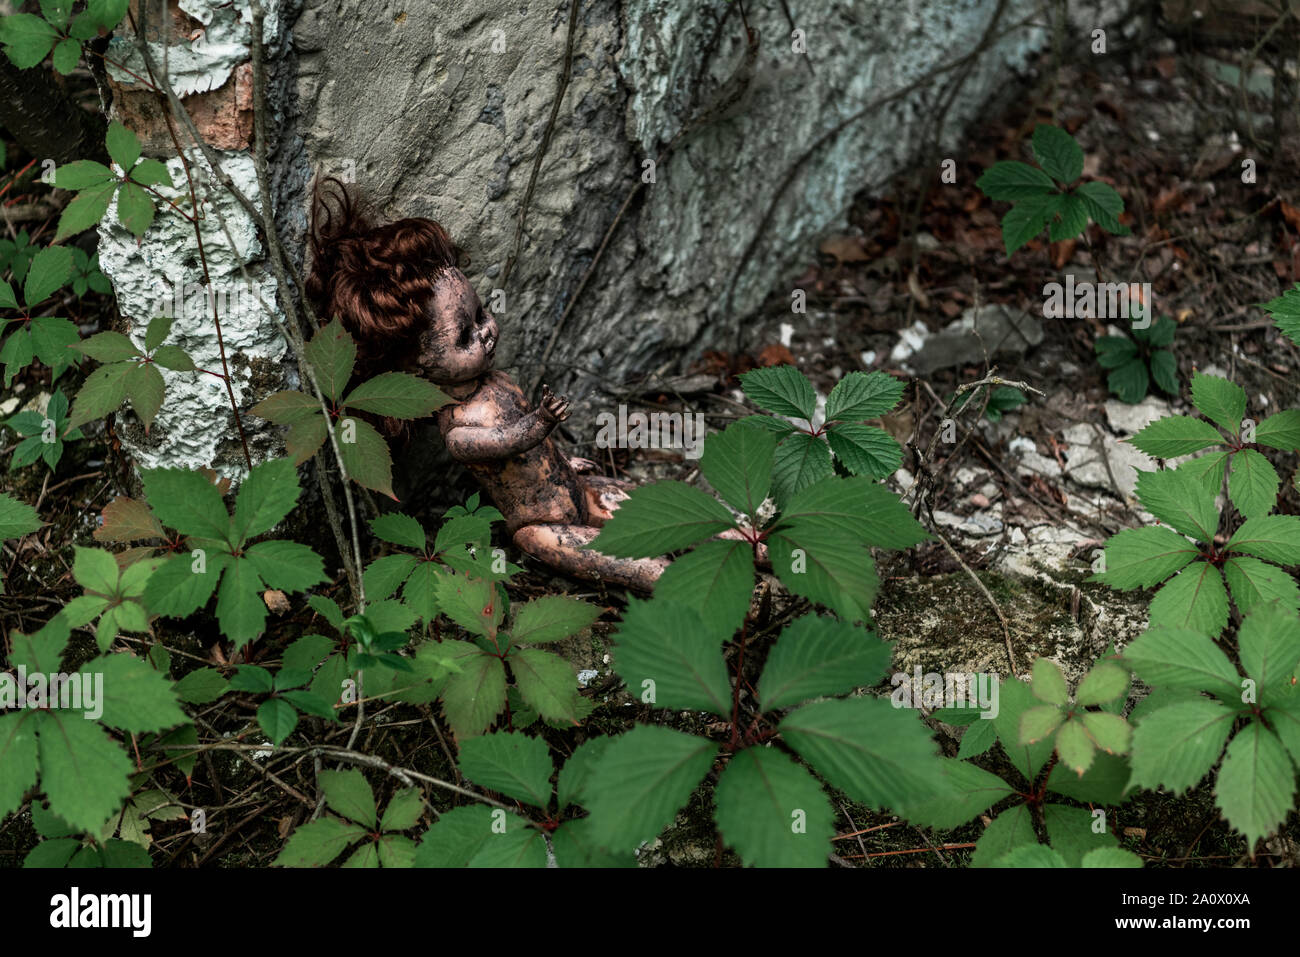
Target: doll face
x=461, y=337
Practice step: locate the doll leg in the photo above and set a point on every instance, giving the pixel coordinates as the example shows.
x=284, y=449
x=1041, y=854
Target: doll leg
x=561, y=547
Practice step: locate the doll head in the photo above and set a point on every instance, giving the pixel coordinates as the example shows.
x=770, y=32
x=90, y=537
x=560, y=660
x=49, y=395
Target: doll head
x=397, y=291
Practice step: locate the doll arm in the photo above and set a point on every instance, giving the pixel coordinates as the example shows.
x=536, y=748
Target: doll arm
x=468, y=443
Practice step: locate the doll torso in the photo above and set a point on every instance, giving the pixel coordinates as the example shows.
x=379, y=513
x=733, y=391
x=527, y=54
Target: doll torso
x=533, y=486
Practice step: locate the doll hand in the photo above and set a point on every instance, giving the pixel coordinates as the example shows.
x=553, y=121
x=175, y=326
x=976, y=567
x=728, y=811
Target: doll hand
x=554, y=409
x=580, y=465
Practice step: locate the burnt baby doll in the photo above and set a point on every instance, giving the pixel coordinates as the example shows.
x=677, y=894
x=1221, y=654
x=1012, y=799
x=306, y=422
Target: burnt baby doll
x=397, y=290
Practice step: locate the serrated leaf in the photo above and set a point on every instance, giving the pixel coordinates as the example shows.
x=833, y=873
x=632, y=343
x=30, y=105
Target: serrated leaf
x=1009, y=180
x=385, y=575
x=17, y=757
x=876, y=754
x=1104, y=206
x=1010, y=830
x=1058, y=153
x=201, y=686
x=659, y=518
x=95, y=570
x=102, y=393
x=1180, y=500
x=814, y=657
x=174, y=358
x=1143, y=557
x=715, y=579
x=864, y=509
x=397, y=395
x=1280, y=431
x=240, y=609
x=1014, y=699
x=1070, y=220
x=318, y=842
x=399, y=529
x=145, y=388
x=862, y=395
x=86, y=209
x=332, y=355
x=176, y=589
x=1269, y=641
x=123, y=145
x=1102, y=783
x=108, y=347
x=472, y=836
x=737, y=462
x=277, y=718
x=551, y=618
x=403, y=811
x=800, y=461
x=781, y=389
x=1175, y=436
x=830, y=569
x=572, y=781
x=664, y=656
x=772, y=811
x=1252, y=484
x=1195, y=598
x=49, y=270
x=1039, y=723
x=1164, y=371
x=186, y=501
x=510, y=762
x=347, y=793
x=365, y=455
x=287, y=407
x=265, y=498
x=1109, y=732
x=1129, y=381
x=83, y=770
x=1026, y=219
x=1072, y=833
x=1105, y=682
x=151, y=172
x=472, y=603
x=1219, y=400
x=135, y=209
x=1254, y=582
x=1175, y=746
x=644, y=777
x=1049, y=683
x=476, y=694
x=1256, y=784
x=286, y=565
x=865, y=449
x=16, y=518
x=965, y=791
x=547, y=684
x=1274, y=538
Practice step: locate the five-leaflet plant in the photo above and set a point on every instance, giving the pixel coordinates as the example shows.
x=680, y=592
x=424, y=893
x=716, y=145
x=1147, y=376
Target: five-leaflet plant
x=42, y=435
x=1042, y=197
x=38, y=337
x=1136, y=362
x=332, y=354
x=374, y=840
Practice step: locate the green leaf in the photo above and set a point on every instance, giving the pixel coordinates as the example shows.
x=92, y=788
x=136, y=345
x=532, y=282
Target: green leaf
x=874, y=753
x=780, y=389
x=659, y=518
x=83, y=770
x=510, y=762
x=95, y=570
x=385, y=575
x=1104, y=206
x=814, y=657
x=1175, y=436
x=9, y=301
x=287, y=408
x=979, y=737
x=365, y=455
x=1109, y=732
x=83, y=174
x=1110, y=857
x=865, y=450
x=16, y=518
x=964, y=792
x=1269, y=640
x=201, y=686
x=421, y=591
x=862, y=508
x=1253, y=484
x=123, y=145
x=1010, y=830
x=1219, y=400
x=476, y=694
x=547, y=684
x=716, y=580
x=1253, y=582
x=50, y=269
x=1175, y=746
x=403, y=811
x=136, y=698
x=1179, y=499
x=67, y=53
x=1256, y=784
x=1048, y=683
x=737, y=462
x=1014, y=699
x=644, y=777
x=27, y=39
x=108, y=347
x=145, y=388
x=472, y=603
x=240, y=609
x=1143, y=557
x=347, y=793
x=265, y=498
x=772, y=811
x=186, y=501
x=1274, y=538
x=1129, y=381
x=332, y=355
x=1026, y=219
x=830, y=569
x=318, y=842
x=1071, y=834
x=1057, y=153
x=472, y=836
x=286, y=565
x=1070, y=220
x=106, y=13
x=1030, y=856
x=1164, y=371
x=1039, y=723
x=397, y=395
x=135, y=209
x=666, y=659
x=800, y=461
x=1102, y=783
x=862, y=395
x=277, y=718
x=577, y=771
x=151, y=172
x=399, y=529
x=102, y=393
x=174, y=358
x=1195, y=598
x=551, y=618
x=1182, y=659
x=177, y=589
x=1008, y=181
x=17, y=757
x=1105, y=682
x=86, y=209
x=1280, y=431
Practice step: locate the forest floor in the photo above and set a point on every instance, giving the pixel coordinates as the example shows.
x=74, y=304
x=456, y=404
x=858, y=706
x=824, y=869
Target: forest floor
x=1024, y=501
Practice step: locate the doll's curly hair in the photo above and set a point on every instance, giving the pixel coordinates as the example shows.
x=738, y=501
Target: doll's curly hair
x=376, y=279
